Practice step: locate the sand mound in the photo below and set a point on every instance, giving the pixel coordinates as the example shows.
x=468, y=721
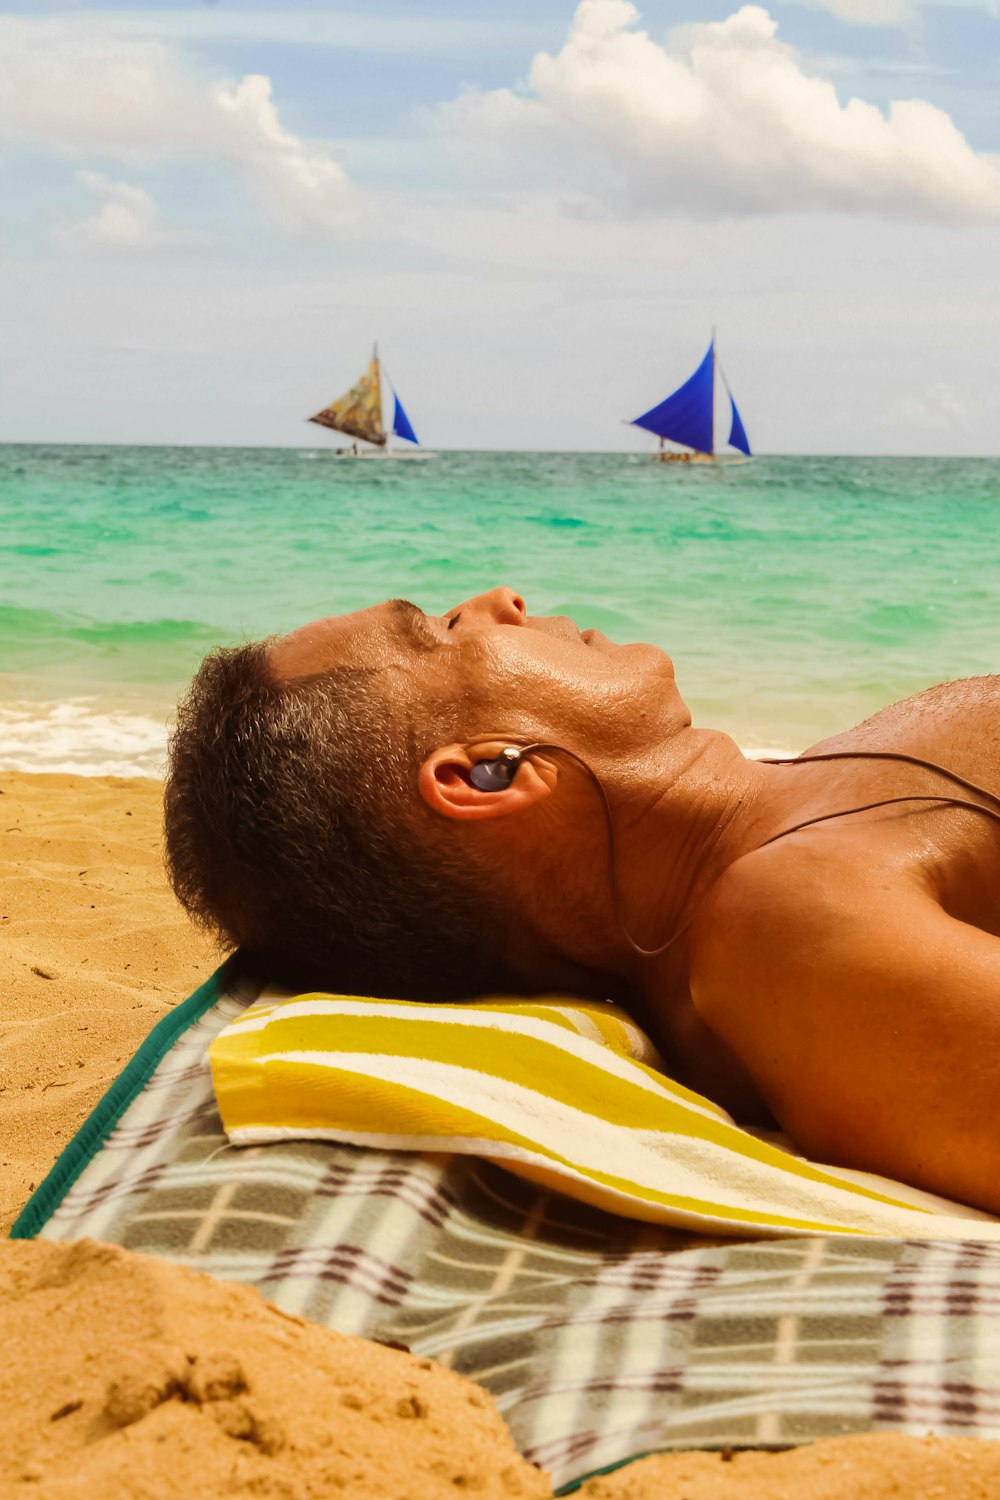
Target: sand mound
x=869, y=1466
x=130, y=1379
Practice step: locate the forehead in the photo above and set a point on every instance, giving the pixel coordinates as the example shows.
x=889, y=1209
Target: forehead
x=357, y=639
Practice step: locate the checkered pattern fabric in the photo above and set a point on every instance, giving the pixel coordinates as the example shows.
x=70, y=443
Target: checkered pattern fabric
x=599, y=1337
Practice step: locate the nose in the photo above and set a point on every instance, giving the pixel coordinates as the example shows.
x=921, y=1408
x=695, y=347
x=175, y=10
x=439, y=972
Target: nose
x=499, y=606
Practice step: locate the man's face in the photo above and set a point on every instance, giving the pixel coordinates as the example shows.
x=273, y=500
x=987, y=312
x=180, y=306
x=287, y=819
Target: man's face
x=511, y=672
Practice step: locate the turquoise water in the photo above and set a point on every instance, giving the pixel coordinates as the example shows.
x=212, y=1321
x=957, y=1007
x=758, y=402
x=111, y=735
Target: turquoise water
x=796, y=595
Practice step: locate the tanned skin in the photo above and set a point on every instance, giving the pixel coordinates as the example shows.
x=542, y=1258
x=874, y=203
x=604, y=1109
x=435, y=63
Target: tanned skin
x=844, y=980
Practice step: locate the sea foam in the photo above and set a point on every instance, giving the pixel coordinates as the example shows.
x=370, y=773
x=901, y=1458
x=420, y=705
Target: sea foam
x=82, y=737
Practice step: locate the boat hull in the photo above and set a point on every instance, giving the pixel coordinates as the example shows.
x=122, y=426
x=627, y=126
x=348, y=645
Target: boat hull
x=382, y=453
x=697, y=458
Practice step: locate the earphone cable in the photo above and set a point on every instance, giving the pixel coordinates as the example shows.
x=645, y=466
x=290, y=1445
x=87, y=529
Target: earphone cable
x=846, y=812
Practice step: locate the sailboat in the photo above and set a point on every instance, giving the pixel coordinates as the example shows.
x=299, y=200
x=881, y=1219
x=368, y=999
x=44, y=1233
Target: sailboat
x=358, y=414
x=687, y=417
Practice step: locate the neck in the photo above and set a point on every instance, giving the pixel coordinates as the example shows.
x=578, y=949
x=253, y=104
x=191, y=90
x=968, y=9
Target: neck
x=679, y=816
x=701, y=806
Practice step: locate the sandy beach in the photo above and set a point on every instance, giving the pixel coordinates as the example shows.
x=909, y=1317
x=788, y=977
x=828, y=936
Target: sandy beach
x=95, y=950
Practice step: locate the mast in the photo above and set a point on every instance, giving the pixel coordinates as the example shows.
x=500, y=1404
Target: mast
x=737, y=432
x=401, y=426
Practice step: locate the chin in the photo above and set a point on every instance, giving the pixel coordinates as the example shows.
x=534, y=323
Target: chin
x=658, y=661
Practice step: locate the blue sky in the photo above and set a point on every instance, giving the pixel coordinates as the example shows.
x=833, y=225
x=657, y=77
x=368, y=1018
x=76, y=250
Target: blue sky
x=539, y=210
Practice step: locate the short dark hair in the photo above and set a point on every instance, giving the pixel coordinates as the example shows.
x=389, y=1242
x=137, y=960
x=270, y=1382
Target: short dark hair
x=293, y=832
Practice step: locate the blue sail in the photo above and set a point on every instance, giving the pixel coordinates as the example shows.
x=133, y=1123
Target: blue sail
x=686, y=416
x=401, y=422
x=737, y=432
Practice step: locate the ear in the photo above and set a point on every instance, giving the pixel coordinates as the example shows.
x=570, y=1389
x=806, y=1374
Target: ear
x=446, y=788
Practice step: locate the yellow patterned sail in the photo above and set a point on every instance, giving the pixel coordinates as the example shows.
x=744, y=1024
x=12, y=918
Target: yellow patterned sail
x=359, y=411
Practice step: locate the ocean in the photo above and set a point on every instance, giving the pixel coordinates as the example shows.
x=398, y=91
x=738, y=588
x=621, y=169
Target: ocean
x=796, y=595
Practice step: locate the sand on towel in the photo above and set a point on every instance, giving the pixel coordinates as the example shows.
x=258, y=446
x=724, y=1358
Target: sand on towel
x=93, y=951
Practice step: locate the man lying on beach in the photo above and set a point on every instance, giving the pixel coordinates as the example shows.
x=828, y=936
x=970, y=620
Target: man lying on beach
x=393, y=803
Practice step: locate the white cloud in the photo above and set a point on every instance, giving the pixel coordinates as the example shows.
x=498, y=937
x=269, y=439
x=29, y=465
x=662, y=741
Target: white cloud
x=80, y=91
x=128, y=218
x=722, y=120
x=127, y=221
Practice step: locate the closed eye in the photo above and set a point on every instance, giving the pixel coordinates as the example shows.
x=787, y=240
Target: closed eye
x=454, y=620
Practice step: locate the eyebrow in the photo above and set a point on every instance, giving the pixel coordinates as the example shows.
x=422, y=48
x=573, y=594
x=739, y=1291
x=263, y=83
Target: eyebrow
x=415, y=623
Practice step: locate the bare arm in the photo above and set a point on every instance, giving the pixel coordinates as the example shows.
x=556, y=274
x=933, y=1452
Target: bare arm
x=869, y=1020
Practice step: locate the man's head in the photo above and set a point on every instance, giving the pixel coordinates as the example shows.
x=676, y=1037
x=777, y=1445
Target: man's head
x=320, y=811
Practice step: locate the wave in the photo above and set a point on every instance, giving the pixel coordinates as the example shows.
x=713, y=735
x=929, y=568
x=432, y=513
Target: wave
x=81, y=737
x=82, y=654
x=44, y=624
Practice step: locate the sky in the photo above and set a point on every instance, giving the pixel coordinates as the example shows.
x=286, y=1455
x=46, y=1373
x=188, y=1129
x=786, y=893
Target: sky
x=540, y=210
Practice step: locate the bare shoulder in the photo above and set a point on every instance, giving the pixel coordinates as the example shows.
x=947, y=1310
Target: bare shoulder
x=955, y=723
x=867, y=1016
x=785, y=919
x=784, y=893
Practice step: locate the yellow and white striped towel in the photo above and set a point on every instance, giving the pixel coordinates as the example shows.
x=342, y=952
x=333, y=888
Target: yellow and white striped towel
x=565, y=1092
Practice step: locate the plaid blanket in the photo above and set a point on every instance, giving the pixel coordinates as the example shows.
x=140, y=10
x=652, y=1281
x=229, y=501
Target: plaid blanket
x=599, y=1338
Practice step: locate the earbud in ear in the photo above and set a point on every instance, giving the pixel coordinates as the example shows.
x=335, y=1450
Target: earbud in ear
x=496, y=775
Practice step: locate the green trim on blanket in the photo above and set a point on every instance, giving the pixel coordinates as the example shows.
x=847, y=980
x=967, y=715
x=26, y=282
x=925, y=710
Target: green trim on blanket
x=573, y=1485
x=103, y=1118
